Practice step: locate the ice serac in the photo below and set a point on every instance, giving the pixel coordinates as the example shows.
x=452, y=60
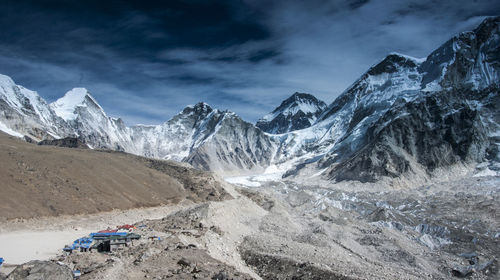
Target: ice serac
x=299, y=111
x=90, y=123
x=24, y=113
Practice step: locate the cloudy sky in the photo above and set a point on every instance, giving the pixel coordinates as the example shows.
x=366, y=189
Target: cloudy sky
x=145, y=60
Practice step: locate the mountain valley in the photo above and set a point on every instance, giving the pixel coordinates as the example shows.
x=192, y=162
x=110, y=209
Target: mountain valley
x=397, y=178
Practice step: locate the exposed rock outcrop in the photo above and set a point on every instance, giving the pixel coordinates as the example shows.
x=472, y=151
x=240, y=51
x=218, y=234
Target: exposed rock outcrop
x=41, y=270
x=68, y=142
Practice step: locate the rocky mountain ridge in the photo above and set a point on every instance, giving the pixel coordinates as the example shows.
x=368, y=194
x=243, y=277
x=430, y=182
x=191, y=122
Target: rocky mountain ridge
x=404, y=115
x=456, y=92
x=198, y=135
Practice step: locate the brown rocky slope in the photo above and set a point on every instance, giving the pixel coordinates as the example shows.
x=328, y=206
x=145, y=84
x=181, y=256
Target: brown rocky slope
x=50, y=181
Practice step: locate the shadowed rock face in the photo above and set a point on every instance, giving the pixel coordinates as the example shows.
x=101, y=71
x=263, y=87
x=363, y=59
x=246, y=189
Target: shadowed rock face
x=68, y=142
x=299, y=111
x=272, y=266
x=469, y=60
x=433, y=131
x=406, y=114
x=391, y=64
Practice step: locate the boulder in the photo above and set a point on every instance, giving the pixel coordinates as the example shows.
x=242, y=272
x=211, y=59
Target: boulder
x=41, y=270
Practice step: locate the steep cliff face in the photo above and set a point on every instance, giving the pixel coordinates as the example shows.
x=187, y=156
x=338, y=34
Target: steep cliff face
x=175, y=138
x=452, y=118
x=469, y=60
x=299, y=111
x=24, y=112
x=89, y=121
x=234, y=147
x=420, y=136
x=412, y=115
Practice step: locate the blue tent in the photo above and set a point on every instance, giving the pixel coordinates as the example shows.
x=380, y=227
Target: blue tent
x=84, y=242
x=1, y=261
x=94, y=234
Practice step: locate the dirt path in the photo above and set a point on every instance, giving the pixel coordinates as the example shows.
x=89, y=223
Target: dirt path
x=43, y=238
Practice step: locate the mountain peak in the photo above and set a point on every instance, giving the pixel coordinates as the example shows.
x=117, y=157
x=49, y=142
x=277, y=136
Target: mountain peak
x=6, y=80
x=299, y=95
x=296, y=112
x=468, y=60
x=487, y=27
x=296, y=101
x=302, y=97
x=200, y=108
x=393, y=62
x=65, y=106
x=76, y=95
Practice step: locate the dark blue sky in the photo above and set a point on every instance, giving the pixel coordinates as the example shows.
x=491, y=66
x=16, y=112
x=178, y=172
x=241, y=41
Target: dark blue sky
x=145, y=60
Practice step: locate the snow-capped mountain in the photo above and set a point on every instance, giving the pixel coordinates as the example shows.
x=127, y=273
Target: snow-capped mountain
x=175, y=138
x=404, y=115
x=90, y=123
x=339, y=130
x=411, y=115
x=233, y=147
x=208, y=139
x=299, y=111
x=24, y=112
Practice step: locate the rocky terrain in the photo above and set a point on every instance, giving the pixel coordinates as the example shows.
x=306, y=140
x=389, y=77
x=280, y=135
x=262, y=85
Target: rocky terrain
x=398, y=178
x=68, y=142
x=286, y=230
x=40, y=270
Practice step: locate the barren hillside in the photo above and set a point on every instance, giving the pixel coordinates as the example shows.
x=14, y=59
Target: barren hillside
x=49, y=181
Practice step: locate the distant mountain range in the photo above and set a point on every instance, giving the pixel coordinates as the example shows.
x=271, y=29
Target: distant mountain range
x=403, y=116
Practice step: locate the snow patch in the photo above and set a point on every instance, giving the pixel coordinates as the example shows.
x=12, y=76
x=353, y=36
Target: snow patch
x=486, y=172
x=242, y=180
x=417, y=60
x=433, y=242
x=65, y=106
x=9, y=131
